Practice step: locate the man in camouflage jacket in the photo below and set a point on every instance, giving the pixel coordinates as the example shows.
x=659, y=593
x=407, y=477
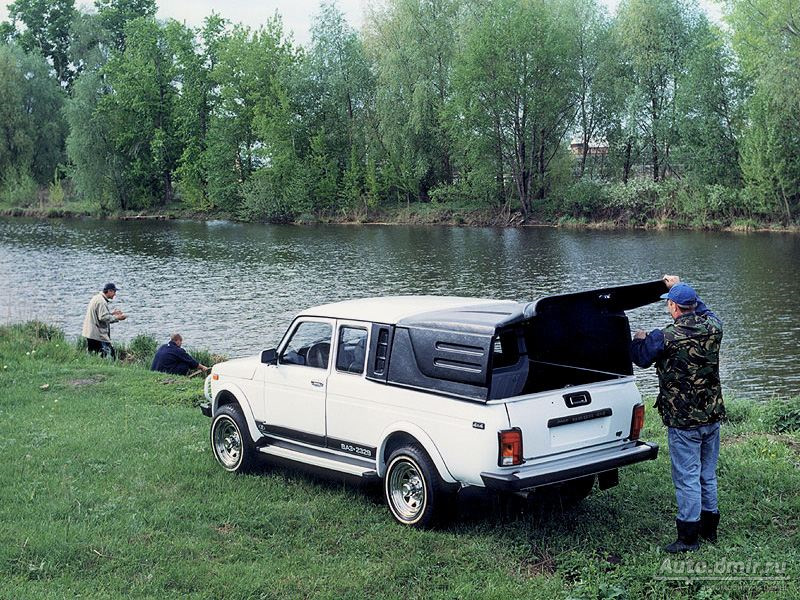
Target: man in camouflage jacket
x=686, y=355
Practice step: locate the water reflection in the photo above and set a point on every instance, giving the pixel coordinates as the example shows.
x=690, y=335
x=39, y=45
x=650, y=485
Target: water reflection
x=233, y=288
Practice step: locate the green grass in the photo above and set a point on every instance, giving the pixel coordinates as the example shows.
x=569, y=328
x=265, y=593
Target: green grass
x=108, y=489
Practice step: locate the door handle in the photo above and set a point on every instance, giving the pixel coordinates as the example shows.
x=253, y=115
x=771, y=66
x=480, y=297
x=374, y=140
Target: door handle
x=316, y=383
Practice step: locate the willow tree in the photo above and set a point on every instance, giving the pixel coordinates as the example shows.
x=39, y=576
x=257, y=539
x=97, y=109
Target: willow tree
x=33, y=130
x=413, y=43
x=516, y=88
x=767, y=41
x=247, y=64
x=655, y=38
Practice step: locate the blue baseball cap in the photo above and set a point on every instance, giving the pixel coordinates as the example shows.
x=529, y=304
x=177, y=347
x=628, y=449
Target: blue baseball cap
x=681, y=294
x=110, y=286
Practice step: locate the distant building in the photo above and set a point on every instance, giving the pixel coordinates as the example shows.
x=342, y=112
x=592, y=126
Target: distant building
x=577, y=149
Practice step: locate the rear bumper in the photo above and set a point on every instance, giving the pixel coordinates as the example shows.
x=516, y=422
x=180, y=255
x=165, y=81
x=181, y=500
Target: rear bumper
x=557, y=471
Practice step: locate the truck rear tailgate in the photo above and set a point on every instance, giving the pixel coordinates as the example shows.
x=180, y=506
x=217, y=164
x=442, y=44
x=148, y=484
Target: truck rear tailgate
x=573, y=418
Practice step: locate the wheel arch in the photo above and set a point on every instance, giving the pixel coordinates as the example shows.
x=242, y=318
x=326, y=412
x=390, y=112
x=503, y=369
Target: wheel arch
x=232, y=394
x=401, y=434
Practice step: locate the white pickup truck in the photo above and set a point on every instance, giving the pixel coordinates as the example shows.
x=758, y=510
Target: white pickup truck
x=431, y=394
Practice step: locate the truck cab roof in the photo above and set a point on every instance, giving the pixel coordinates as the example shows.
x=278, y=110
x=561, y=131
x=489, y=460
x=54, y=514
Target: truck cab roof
x=405, y=310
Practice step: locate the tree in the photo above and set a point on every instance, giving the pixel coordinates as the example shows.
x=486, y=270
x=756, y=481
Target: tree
x=710, y=110
x=249, y=65
x=335, y=100
x=47, y=31
x=515, y=89
x=766, y=37
x=140, y=111
x=193, y=104
x=114, y=16
x=655, y=37
x=33, y=131
x=413, y=43
x=596, y=55
x=98, y=171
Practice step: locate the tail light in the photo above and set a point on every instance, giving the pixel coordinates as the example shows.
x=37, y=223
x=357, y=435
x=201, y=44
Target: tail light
x=510, y=447
x=637, y=421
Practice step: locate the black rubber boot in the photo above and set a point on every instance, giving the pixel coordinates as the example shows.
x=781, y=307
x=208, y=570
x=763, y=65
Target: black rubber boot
x=708, y=525
x=687, y=537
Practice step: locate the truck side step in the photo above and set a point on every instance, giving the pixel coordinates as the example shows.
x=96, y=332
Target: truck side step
x=317, y=457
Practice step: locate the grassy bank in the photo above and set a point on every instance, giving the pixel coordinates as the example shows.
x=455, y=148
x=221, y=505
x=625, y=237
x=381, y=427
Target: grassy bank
x=109, y=490
x=661, y=210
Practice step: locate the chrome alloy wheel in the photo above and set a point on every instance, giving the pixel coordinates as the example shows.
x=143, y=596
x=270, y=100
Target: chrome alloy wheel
x=406, y=487
x=227, y=443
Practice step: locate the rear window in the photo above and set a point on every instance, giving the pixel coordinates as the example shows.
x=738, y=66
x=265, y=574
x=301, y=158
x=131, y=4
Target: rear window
x=352, y=351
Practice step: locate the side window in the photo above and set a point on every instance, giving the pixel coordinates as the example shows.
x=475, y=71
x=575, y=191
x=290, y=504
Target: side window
x=310, y=345
x=352, y=351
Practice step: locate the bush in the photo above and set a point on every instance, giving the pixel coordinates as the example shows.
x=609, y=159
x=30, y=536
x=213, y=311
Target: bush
x=18, y=189
x=585, y=198
x=640, y=200
x=140, y=350
x=204, y=357
x=737, y=412
x=56, y=190
x=781, y=416
x=39, y=330
x=264, y=199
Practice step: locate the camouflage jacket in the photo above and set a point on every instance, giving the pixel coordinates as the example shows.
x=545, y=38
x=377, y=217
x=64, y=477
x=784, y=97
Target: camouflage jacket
x=686, y=355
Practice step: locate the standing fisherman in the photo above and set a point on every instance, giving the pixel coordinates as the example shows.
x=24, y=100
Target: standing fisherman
x=686, y=355
x=98, y=319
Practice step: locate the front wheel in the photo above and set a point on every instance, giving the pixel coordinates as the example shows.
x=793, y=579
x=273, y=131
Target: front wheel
x=230, y=440
x=412, y=487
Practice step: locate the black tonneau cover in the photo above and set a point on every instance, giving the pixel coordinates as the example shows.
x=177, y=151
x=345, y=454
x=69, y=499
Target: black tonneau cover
x=487, y=319
x=612, y=299
x=451, y=351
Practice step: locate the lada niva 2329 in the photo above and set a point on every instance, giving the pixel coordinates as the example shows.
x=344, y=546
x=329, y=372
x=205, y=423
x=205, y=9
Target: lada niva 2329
x=430, y=394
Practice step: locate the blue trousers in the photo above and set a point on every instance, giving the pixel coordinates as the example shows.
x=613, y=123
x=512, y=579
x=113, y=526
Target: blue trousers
x=693, y=454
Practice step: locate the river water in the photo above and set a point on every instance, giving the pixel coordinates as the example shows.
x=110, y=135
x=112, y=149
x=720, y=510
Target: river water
x=233, y=288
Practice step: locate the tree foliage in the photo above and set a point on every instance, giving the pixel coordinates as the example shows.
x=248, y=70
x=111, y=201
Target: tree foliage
x=47, y=30
x=32, y=132
x=510, y=104
x=767, y=41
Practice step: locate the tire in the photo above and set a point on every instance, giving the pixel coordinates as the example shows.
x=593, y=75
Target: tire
x=413, y=489
x=230, y=440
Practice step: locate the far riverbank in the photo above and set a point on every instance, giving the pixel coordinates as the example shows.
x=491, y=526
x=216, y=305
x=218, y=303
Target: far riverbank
x=416, y=214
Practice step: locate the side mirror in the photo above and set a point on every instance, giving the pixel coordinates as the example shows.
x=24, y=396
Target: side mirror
x=269, y=357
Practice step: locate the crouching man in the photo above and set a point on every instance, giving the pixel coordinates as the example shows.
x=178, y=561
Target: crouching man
x=686, y=355
x=171, y=358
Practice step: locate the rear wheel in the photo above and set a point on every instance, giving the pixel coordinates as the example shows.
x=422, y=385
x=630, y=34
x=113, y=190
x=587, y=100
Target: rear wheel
x=230, y=440
x=412, y=487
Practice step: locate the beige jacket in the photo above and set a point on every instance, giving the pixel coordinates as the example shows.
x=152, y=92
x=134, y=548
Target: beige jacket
x=98, y=319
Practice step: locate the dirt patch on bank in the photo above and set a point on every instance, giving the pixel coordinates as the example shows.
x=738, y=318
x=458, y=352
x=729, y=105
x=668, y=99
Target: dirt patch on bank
x=94, y=379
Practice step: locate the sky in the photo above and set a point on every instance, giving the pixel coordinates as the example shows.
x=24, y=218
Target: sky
x=297, y=14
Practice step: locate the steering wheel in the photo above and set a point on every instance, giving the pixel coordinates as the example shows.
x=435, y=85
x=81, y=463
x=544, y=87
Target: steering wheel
x=317, y=355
